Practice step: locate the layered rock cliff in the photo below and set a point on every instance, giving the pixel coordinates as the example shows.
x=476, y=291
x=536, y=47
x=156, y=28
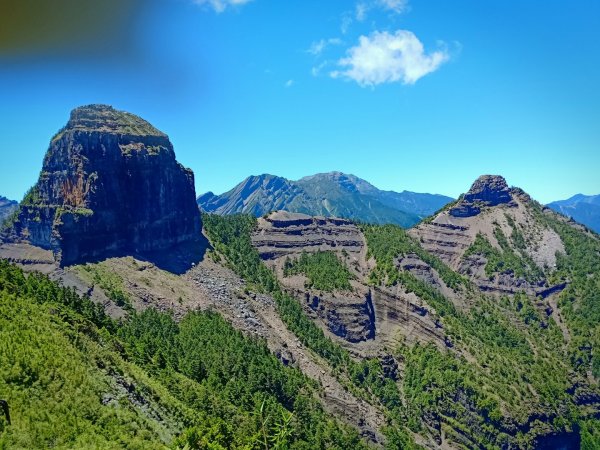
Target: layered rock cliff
x=356, y=314
x=281, y=235
x=110, y=185
x=492, y=236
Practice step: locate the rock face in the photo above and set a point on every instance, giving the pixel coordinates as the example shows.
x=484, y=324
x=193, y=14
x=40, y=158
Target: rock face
x=511, y=231
x=333, y=194
x=7, y=207
x=281, y=235
x=488, y=190
x=110, y=185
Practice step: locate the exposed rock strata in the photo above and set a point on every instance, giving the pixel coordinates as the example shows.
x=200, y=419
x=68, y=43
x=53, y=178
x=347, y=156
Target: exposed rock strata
x=488, y=208
x=282, y=233
x=349, y=315
x=110, y=185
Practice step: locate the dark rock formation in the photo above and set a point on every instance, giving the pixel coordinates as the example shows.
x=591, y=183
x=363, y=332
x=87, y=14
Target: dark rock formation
x=491, y=190
x=389, y=366
x=110, y=185
x=350, y=317
x=488, y=190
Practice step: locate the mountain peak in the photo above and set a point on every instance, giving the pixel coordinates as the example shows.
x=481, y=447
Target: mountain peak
x=490, y=189
x=130, y=197
x=330, y=194
x=106, y=119
x=487, y=190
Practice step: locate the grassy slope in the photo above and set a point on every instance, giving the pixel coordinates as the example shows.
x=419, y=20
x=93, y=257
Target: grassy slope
x=51, y=378
x=75, y=379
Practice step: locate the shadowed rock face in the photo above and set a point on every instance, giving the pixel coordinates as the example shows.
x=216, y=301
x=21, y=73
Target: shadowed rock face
x=488, y=190
x=110, y=185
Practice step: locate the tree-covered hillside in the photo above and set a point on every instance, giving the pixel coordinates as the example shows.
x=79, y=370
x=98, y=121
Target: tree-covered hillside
x=506, y=377
x=73, y=378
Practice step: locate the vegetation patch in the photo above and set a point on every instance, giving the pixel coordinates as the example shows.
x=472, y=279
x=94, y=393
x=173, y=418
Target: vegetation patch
x=73, y=378
x=504, y=260
x=324, y=270
x=386, y=243
x=109, y=281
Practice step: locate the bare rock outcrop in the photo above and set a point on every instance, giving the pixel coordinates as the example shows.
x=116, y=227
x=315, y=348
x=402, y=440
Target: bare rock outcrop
x=282, y=233
x=349, y=314
x=487, y=190
x=503, y=218
x=351, y=317
x=110, y=185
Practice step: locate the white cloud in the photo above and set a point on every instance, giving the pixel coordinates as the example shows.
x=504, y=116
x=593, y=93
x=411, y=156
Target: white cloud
x=221, y=5
x=383, y=57
x=316, y=70
x=317, y=47
x=346, y=23
x=361, y=11
x=397, y=6
x=363, y=7
x=289, y=83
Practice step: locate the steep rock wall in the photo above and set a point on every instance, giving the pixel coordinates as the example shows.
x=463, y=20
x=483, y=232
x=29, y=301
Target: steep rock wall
x=110, y=185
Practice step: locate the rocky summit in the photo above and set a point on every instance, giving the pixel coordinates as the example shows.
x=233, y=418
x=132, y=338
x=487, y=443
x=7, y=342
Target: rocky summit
x=487, y=190
x=110, y=185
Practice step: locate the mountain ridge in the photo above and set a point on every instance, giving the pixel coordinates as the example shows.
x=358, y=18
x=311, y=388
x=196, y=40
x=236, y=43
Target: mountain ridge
x=327, y=194
x=411, y=333
x=477, y=328
x=7, y=207
x=582, y=208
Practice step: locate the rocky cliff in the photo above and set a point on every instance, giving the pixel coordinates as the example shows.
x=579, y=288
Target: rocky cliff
x=109, y=185
x=487, y=190
x=491, y=235
x=281, y=235
x=359, y=313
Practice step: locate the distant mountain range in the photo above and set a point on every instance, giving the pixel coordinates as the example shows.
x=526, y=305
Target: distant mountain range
x=325, y=194
x=7, y=207
x=584, y=209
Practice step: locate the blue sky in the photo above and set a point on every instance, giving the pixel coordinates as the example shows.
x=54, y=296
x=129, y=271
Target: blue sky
x=418, y=95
